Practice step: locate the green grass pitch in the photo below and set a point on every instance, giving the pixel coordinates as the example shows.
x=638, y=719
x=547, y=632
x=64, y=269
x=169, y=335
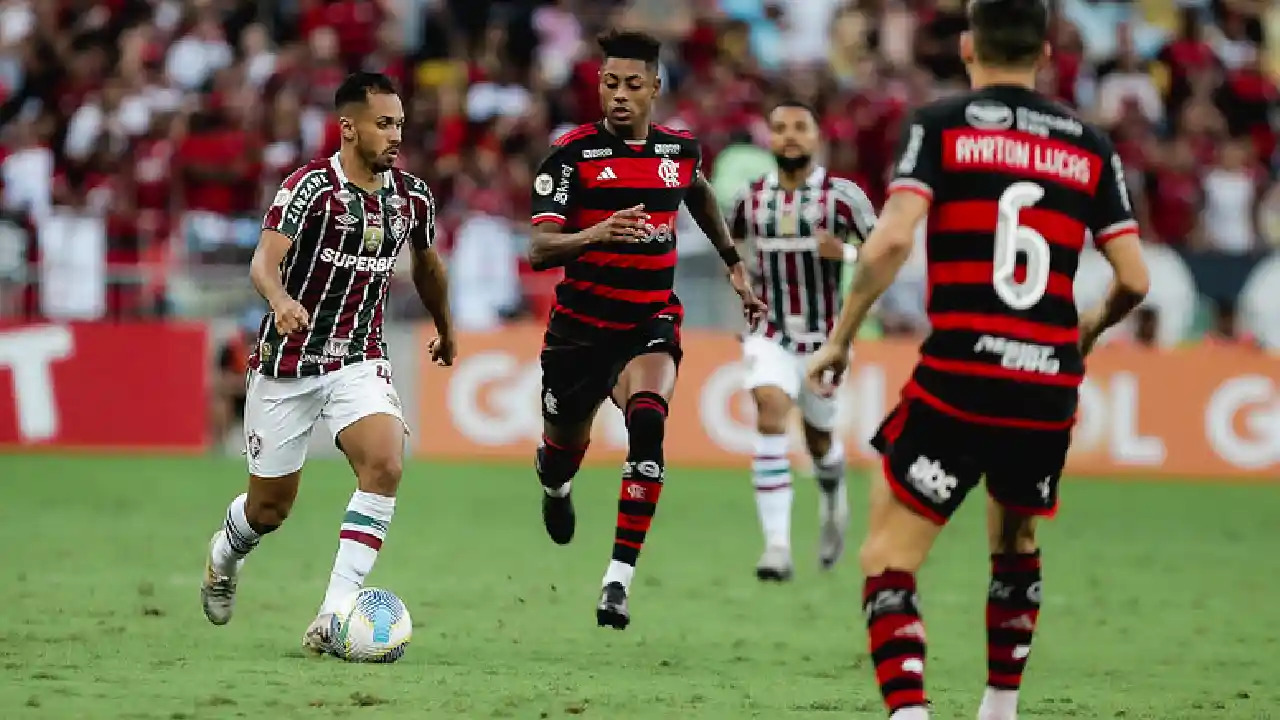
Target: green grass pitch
x=1160, y=603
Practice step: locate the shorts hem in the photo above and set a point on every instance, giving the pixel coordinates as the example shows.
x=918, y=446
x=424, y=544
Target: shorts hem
x=1048, y=513
x=335, y=431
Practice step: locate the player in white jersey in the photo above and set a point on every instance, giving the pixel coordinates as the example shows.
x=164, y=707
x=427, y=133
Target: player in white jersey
x=324, y=263
x=799, y=227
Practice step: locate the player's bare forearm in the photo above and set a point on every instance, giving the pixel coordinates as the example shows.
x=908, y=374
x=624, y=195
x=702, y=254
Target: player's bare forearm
x=431, y=280
x=705, y=211
x=879, y=261
x=548, y=247
x=264, y=268
x=1127, y=291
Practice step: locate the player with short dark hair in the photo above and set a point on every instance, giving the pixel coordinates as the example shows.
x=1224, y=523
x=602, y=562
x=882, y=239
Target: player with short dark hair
x=324, y=264
x=799, y=227
x=1012, y=184
x=604, y=207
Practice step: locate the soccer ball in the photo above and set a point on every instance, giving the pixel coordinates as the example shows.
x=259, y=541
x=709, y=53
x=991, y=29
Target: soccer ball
x=371, y=626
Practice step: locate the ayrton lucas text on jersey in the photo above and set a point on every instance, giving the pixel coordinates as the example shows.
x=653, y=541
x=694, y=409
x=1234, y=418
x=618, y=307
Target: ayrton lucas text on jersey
x=1048, y=159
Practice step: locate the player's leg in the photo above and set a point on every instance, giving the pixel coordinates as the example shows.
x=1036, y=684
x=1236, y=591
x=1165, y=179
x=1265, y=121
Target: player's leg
x=773, y=382
x=1022, y=489
x=279, y=416
x=574, y=384
x=363, y=412
x=926, y=478
x=827, y=453
x=643, y=390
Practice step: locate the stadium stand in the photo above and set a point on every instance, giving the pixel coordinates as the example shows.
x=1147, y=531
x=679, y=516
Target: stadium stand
x=141, y=138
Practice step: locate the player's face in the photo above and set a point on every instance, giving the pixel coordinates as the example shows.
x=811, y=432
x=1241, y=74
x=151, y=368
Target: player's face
x=793, y=137
x=627, y=90
x=375, y=127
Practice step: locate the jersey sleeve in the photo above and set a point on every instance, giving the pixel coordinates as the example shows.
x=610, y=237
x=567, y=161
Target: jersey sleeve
x=1113, y=211
x=295, y=200
x=423, y=233
x=555, y=188
x=919, y=159
x=858, y=205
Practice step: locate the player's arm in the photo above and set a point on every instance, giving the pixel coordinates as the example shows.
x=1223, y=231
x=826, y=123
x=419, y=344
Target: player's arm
x=555, y=189
x=280, y=229
x=430, y=276
x=1115, y=233
x=892, y=236
x=431, y=280
x=879, y=261
x=704, y=208
x=863, y=221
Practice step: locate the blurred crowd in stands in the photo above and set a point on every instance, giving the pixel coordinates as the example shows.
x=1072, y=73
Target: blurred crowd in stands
x=150, y=134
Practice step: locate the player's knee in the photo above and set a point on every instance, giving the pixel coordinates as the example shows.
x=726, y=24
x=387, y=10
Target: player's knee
x=558, y=463
x=381, y=474
x=646, y=420
x=773, y=408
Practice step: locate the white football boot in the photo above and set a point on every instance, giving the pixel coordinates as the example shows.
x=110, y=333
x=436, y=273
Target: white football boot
x=318, y=639
x=775, y=564
x=218, y=591
x=833, y=522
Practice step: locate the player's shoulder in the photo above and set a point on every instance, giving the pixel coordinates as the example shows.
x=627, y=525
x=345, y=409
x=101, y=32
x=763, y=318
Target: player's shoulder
x=582, y=136
x=412, y=184
x=316, y=172
x=668, y=140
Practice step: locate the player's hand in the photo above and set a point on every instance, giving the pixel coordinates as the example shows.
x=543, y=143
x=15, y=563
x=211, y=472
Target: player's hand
x=826, y=369
x=753, y=308
x=630, y=225
x=830, y=247
x=290, y=316
x=443, y=349
x=1088, y=332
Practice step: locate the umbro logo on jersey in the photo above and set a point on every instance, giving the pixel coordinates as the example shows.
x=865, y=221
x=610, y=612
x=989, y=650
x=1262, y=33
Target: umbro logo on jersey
x=607, y=174
x=346, y=219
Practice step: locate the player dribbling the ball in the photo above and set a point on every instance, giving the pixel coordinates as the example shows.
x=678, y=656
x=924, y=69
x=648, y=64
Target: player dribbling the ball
x=324, y=263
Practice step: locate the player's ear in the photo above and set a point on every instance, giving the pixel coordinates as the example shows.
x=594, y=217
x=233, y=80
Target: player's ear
x=966, y=47
x=1048, y=52
x=348, y=128
x=657, y=82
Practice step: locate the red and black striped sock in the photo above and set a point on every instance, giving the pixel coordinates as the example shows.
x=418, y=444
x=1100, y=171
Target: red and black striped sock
x=556, y=465
x=642, y=475
x=1013, y=607
x=897, y=638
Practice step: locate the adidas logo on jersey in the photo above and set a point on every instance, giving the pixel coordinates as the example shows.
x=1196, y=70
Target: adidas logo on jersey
x=607, y=174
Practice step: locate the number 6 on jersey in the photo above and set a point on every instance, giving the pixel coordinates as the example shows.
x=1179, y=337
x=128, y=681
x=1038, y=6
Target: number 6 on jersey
x=1012, y=238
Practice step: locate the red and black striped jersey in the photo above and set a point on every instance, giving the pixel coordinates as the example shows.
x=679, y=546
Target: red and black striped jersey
x=590, y=174
x=1017, y=185
x=345, y=244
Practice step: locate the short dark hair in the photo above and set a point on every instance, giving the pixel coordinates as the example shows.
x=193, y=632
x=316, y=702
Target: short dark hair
x=1009, y=33
x=357, y=87
x=798, y=104
x=631, y=45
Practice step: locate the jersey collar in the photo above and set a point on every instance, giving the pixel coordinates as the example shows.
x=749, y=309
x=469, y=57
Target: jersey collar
x=815, y=179
x=343, y=182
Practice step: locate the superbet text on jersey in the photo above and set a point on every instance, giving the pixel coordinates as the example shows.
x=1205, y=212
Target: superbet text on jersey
x=345, y=245
x=589, y=175
x=1017, y=185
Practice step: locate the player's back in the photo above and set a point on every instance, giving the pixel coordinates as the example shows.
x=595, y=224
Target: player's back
x=591, y=174
x=1017, y=183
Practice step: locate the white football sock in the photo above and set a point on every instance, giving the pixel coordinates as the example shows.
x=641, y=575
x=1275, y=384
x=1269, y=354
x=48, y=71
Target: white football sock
x=911, y=713
x=829, y=469
x=364, y=528
x=237, y=539
x=771, y=475
x=619, y=572
x=998, y=705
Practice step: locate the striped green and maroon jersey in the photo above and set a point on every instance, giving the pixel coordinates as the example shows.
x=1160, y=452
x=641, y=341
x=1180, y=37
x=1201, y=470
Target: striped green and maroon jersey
x=345, y=244
x=779, y=230
x=1017, y=185
x=589, y=175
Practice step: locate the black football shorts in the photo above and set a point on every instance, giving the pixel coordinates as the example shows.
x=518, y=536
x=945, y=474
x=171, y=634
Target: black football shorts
x=932, y=461
x=577, y=377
